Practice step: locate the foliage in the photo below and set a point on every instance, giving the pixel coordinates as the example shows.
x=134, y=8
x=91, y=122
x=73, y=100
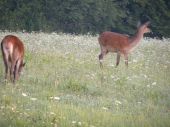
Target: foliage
x=83, y=16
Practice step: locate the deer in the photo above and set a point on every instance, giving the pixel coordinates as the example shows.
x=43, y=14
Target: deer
x=13, y=53
x=120, y=43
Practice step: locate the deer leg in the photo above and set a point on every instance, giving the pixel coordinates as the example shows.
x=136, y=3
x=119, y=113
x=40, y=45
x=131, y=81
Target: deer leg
x=103, y=53
x=6, y=63
x=118, y=59
x=16, y=71
x=12, y=70
x=100, y=60
x=126, y=59
x=6, y=69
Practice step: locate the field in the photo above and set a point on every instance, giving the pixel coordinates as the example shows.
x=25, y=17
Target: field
x=62, y=85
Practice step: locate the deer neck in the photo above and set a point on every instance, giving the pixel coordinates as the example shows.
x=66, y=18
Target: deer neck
x=135, y=40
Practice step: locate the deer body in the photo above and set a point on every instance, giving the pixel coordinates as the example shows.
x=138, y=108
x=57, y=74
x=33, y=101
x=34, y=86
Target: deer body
x=120, y=43
x=13, y=54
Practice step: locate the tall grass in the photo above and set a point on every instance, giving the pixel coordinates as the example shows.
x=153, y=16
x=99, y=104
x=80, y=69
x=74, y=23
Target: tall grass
x=63, y=86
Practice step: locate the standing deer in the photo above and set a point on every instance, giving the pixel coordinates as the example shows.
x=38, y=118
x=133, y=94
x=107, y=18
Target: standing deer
x=120, y=43
x=12, y=53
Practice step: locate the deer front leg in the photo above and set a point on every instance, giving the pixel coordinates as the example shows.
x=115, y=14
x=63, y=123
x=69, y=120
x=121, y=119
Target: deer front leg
x=118, y=59
x=103, y=53
x=126, y=59
x=100, y=60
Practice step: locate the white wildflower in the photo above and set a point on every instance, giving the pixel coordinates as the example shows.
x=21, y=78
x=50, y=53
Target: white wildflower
x=112, y=76
x=117, y=102
x=24, y=94
x=79, y=123
x=52, y=113
x=111, y=65
x=57, y=98
x=73, y=122
x=135, y=61
x=13, y=109
x=104, y=108
x=51, y=97
x=2, y=107
x=128, y=78
x=154, y=83
x=148, y=85
x=33, y=99
x=145, y=76
x=93, y=74
x=139, y=102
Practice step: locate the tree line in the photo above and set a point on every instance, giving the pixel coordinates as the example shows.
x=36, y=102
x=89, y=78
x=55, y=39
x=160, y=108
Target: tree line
x=84, y=16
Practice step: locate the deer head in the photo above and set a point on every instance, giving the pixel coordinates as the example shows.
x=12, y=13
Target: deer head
x=21, y=67
x=144, y=27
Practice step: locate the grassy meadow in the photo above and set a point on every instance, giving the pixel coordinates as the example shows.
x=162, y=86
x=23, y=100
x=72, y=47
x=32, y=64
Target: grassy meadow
x=62, y=85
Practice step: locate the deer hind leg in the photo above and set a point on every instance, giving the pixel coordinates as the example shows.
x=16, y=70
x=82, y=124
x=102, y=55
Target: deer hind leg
x=6, y=68
x=16, y=71
x=12, y=69
x=101, y=56
x=7, y=64
x=118, y=59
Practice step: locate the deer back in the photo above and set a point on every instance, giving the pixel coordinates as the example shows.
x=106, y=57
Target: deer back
x=13, y=47
x=114, y=41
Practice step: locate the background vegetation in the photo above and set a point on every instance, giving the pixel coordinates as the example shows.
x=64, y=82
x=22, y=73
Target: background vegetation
x=84, y=16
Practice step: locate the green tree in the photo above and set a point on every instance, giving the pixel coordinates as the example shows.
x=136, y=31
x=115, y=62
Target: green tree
x=83, y=16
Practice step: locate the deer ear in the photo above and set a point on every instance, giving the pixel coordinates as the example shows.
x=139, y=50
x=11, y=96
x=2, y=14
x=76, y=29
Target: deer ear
x=147, y=23
x=138, y=24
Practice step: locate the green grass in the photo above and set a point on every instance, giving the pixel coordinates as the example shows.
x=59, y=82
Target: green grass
x=63, y=86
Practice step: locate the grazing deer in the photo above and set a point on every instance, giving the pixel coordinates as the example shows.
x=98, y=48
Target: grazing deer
x=12, y=53
x=120, y=43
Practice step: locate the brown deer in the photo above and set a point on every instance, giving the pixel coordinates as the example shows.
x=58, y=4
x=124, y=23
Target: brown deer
x=13, y=54
x=120, y=43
